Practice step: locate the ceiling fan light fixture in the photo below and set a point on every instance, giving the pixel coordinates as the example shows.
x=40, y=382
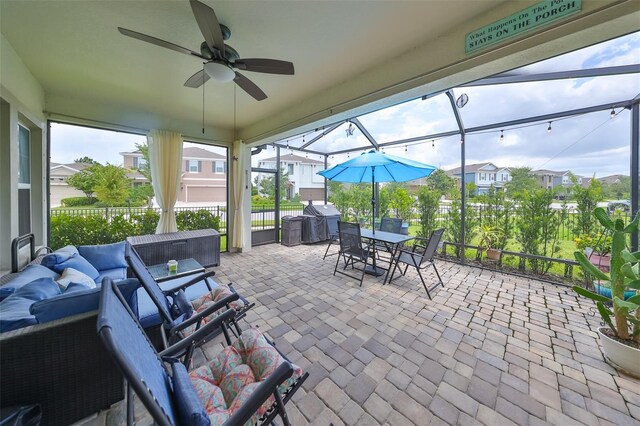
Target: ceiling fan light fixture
x=219, y=71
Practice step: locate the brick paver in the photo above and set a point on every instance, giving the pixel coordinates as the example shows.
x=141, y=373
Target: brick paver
x=489, y=348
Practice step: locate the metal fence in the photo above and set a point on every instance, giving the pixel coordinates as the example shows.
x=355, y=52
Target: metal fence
x=263, y=216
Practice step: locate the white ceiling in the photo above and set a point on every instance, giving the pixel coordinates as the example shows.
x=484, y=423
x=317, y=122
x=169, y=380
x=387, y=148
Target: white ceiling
x=75, y=51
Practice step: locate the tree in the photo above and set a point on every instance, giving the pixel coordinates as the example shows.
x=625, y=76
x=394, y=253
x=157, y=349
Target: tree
x=440, y=182
x=522, y=182
x=85, y=180
x=586, y=200
x=428, y=204
x=620, y=190
x=145, y=168
x=400, y=201
x=85, y=160
x=471, y=188
x=267, y=185
x=112, y=185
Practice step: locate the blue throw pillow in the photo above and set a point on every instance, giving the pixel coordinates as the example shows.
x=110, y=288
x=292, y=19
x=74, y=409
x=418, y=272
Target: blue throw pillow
x=58, y=256
x=14, y=310
x=27, y=275
x=190, y=408
x=105, y=256
x=78, y=299
x=78, y=263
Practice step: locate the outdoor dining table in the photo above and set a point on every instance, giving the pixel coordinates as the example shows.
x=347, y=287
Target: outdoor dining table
x=388, y=238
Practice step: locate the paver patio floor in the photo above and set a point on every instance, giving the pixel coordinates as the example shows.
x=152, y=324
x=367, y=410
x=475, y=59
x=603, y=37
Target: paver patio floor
x=489, y=348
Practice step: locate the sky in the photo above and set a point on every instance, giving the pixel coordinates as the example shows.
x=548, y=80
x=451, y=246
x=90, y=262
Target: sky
x=586, y=145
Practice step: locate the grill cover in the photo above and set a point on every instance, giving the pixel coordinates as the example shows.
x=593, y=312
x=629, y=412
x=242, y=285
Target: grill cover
x=320, y=223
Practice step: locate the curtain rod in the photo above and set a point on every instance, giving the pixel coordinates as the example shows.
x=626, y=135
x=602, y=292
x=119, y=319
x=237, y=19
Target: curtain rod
x=72, y=119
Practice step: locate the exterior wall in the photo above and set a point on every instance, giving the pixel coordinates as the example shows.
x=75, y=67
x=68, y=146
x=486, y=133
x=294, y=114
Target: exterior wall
x=22, y=100
x=313, y=194
x=196, y=193
x=59, y=191
x=303, y=178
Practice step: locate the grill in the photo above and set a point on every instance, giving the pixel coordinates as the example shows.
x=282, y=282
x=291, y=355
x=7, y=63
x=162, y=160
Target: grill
x=319, y=222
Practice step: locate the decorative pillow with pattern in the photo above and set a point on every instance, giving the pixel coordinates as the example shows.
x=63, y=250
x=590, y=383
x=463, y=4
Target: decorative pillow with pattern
x=227, y=381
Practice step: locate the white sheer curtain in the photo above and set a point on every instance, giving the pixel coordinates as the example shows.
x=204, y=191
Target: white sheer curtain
x=165, y=158
x=239, y=183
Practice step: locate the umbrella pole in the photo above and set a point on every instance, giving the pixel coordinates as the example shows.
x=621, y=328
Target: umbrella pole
x=373, y=199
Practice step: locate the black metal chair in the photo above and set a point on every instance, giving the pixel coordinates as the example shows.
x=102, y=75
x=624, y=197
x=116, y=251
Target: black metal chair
x=351, y=249
x=420, y=257
x=249, y=380
x=388, y=224
x=181, y=317
x=332, y=228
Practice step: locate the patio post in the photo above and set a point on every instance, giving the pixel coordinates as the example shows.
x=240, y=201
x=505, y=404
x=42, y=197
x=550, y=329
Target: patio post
x=326, y=187
x=463, y=182
x=276, y=211
x=635, y=165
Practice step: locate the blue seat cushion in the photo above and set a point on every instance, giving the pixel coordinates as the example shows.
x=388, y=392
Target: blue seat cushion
x=116, y=274
x=105, y=256
x=59, y=256
x=27, y=275
x=15, y=309
x=78, y=298
x=148, y=311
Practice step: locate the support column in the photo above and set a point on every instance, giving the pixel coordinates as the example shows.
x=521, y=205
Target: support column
x=463, y=181
x=635, y=165
x=276, y=213
x=326, y=188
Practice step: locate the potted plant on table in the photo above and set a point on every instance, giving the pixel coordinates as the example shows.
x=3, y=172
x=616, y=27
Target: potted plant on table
x=488, y=237
x=621, y=338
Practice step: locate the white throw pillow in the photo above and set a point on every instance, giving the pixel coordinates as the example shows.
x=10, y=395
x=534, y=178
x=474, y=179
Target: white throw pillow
x=70, y=275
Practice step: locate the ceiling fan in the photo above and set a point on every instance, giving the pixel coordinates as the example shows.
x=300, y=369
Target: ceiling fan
x=221, y=59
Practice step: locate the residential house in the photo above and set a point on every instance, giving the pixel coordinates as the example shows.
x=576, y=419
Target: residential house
x=610, y=180
x=483, y=175
x=550, y=179
x=303, y=175
x=58, y=186
x=203, y=178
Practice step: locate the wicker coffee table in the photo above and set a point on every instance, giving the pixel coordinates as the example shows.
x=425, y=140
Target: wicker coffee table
x=185, y=267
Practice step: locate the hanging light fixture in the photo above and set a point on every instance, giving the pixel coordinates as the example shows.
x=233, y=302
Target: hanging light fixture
x=549, y=128
x=501, y=135
x=349, y=130
x=613, y=112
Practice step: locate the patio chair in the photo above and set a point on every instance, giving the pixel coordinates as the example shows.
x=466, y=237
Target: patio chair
x=181, y=317
x=420, y=257
x=332, y=228
x=388, y=224
x=351, y=249
x=249, y=380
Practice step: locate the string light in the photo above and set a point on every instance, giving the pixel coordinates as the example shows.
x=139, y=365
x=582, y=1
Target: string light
x=306, y=155
x=613, y=112
x=433, y=143
x=405, y=148
x=287, y=143
x=501, y=135
x=347, y=155
x=549, y=128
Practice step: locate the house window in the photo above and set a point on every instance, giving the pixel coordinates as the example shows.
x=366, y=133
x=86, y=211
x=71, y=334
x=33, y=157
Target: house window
x=24, y=180
x=219, y=166
x=483, y=176
x=194, y=166
x=138, y=163
x=290, y=169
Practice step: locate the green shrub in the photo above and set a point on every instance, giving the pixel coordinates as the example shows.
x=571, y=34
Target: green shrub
x=189, y=220
x=78, y=201
x=147, y=222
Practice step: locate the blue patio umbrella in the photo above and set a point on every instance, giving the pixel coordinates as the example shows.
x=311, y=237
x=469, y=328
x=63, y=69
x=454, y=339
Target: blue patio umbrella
x=375, y=167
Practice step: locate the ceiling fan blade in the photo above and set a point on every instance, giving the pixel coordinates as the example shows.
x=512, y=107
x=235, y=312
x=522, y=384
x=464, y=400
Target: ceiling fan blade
x=158, y=42
x=270, y=66
x=197, y=80
x=249, y=87
x=209, y=26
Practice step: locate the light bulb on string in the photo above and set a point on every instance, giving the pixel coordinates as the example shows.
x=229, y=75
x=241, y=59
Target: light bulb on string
x=613, y=112
x=549, y=128
x=406, y=149
x=348, y=156
x=501, y=135
x=287, y=143
x=433, y=143
x=306, y=155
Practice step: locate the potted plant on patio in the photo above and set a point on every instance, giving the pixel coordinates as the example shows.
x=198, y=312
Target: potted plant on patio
x=597, y=248
x=621, y=338
x=488, y=237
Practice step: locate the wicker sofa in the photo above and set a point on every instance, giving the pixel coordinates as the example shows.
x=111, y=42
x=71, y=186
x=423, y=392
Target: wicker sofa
x=60, y=364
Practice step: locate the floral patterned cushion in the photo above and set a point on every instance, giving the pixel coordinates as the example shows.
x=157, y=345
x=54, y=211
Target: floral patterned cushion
x=227, y=381
x=203, y=302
